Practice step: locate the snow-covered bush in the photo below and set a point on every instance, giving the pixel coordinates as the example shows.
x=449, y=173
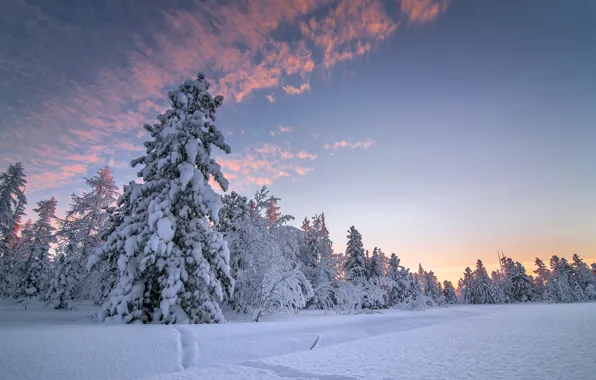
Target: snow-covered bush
x=283, y=288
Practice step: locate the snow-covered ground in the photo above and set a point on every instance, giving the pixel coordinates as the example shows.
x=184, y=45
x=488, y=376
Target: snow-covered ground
x=529, y=341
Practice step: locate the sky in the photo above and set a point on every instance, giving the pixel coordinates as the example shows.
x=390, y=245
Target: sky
x=444, y=131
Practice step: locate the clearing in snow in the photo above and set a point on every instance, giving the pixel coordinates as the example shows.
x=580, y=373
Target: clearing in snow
x=521, y=341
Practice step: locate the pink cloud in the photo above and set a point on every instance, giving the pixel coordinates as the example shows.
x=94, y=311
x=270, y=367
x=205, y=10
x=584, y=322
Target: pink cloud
x=263, y=164
x=130, y=147
x=365, y=144
x=289, y=89
x=237, y=48
x=421, y=11
x=302, y=171
x=305, y=155
x=282, y=129
x=348, y=29
x=91, y=159
x=55, y=178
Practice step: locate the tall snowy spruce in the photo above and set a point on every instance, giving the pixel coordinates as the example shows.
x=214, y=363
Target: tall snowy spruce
x=449, y=292
x=485, y=292
x=398, y=281
x=584, y=277
x=466, y=287
x=355, y=265
x=82, y=226
x=12, y=204
x=316, y=256
x=173, y=265
x=12, y=210
x=61, y=292
x=36, y=277
x=541, y=279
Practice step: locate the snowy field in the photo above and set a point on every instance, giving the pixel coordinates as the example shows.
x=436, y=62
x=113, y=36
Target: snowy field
x=524, y=341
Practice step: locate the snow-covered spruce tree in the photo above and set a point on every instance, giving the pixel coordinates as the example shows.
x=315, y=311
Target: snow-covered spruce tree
x=485, y=292
x=522, y=285
x=562, y=287
x=398, y=281
x=466, y=287
x=16, y=265
x=35, y=281
x=355, y=265
x=319, y=266
x=449, y=292
x=82, y=225
x=61, y=292
x=12, y=210
x=305, y=225
x=102, y=268
x=375, y=296
x=430, y=286
x=541, y=279
x=583, y=276
x=375, y=269
x=12, y=204
x=273, y=213
x=496, y=278
x=235, y=224
x=173, y=265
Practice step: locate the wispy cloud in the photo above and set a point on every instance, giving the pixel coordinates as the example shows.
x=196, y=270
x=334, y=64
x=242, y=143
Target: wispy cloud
x=112, y=89
x=56, y=177
x=305, y=155
x=262, y=164
x=91, y=158
x=130, y=147
x=292, y=90
x=282, y=129
x=420, y=11
x=349, y=29
x=364, y=144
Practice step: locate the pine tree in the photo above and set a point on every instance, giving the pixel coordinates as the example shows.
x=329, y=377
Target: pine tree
x=238, y=222
x=541, y=279
x=449, y=292
x=562, y=287
x=318, y=262
x=305, y=225
x=485, y=292
x=12, y=204
x=42, y=236
x=173, y=265
x=497, y=280
x=374, y=294
x=82, y=226
x=431, y=288
x=506, y=282
x=61, y=292
x=583, y=276
x=273, y=213
x=523, y=288
x=355, y=266
x=12, y=209
x=375, y=269
x=466, y=287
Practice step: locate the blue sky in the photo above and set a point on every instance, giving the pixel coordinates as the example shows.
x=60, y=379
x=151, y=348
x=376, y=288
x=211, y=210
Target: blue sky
x=443, y=130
